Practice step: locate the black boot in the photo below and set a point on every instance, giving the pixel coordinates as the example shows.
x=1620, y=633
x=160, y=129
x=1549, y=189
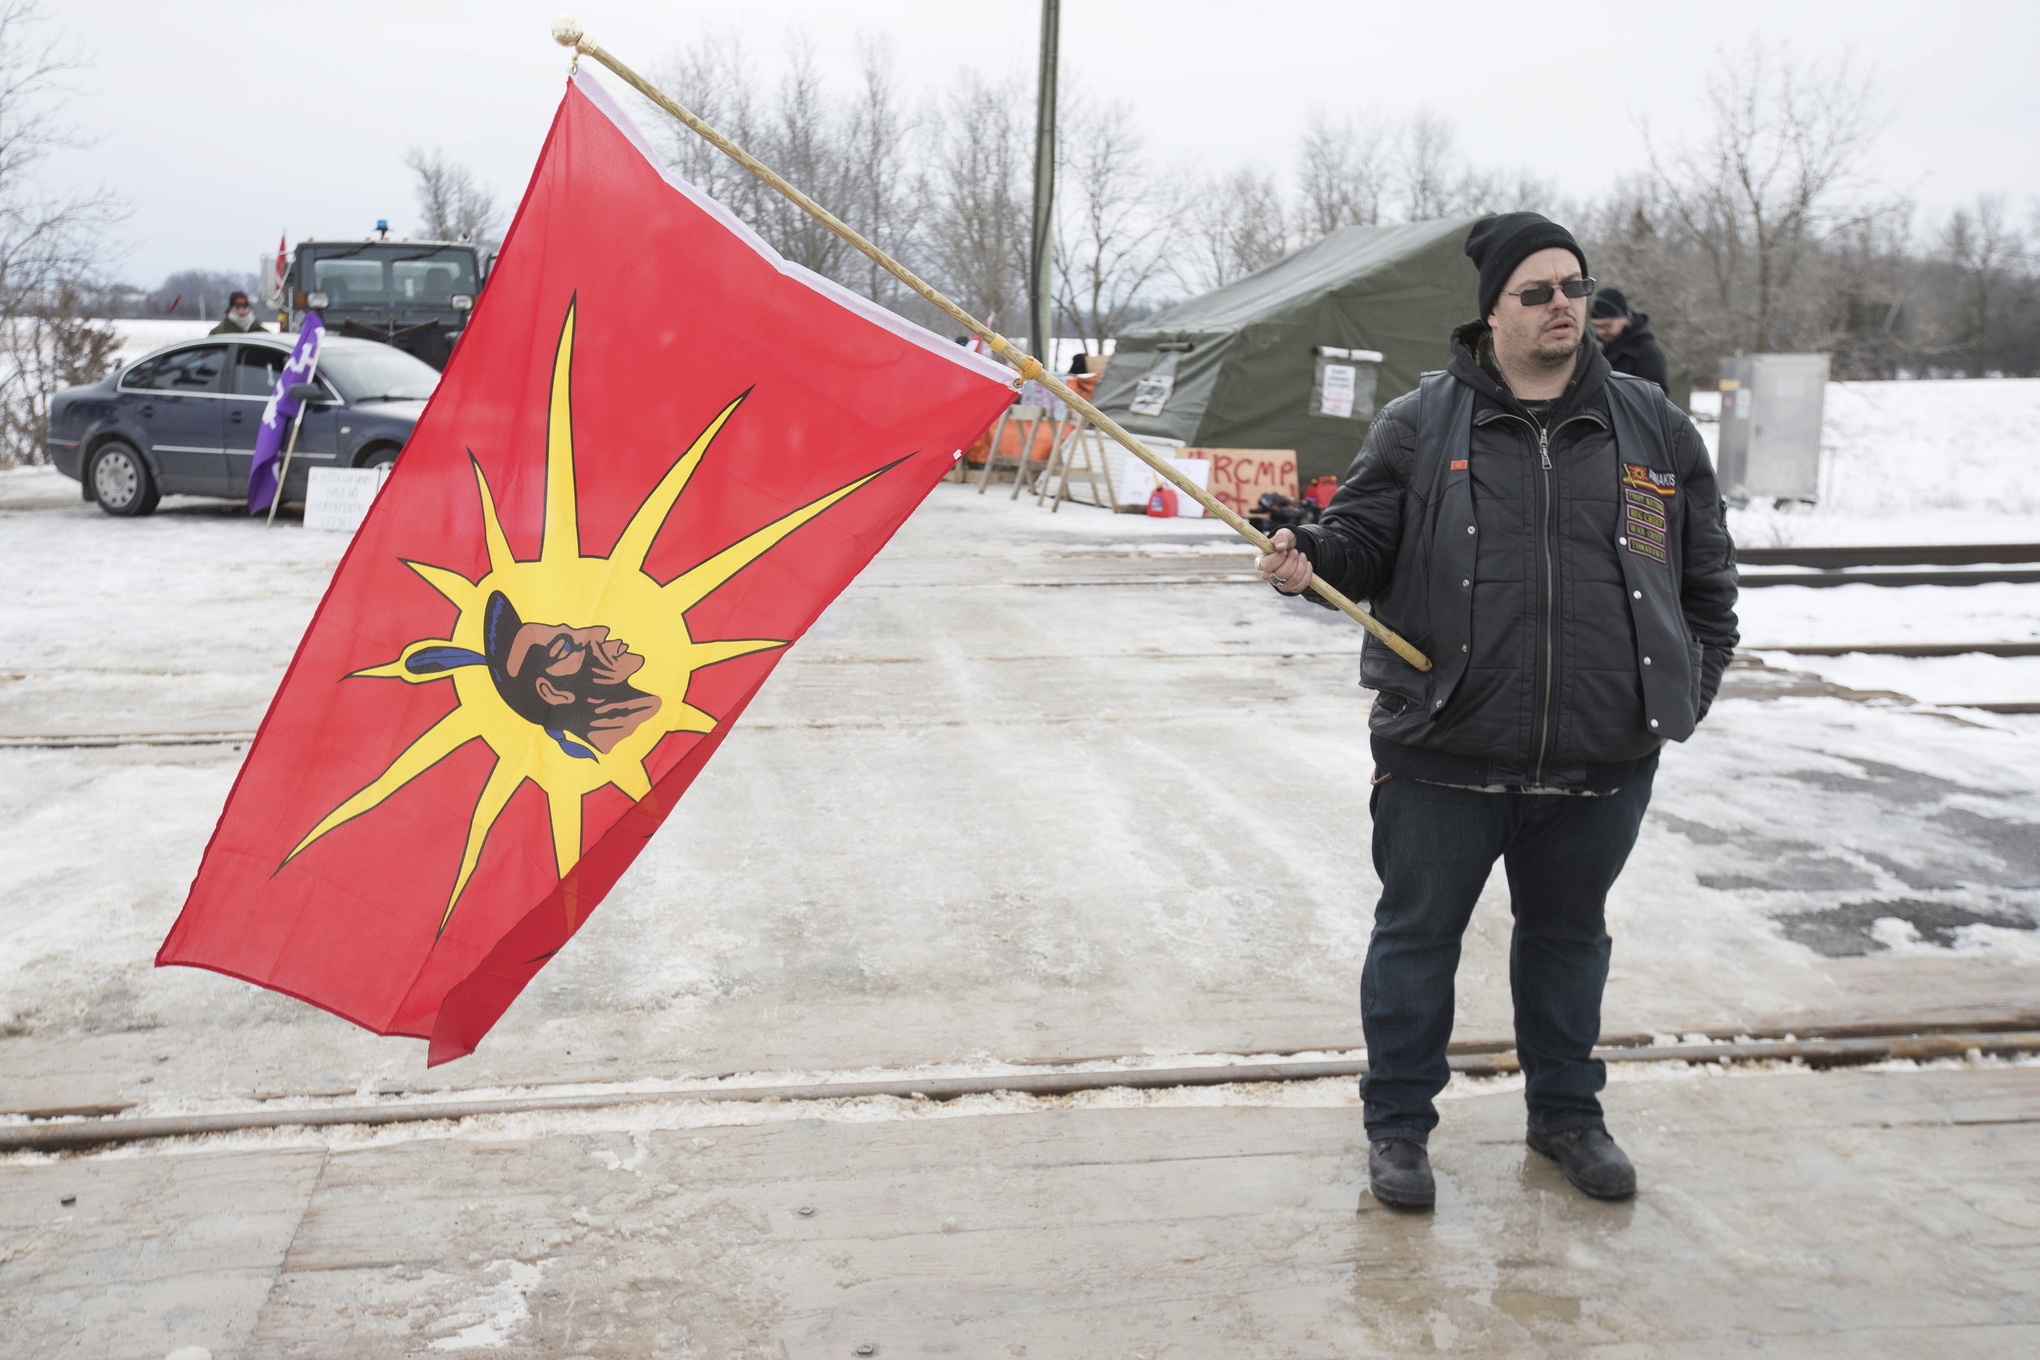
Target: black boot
x=1399, y=1174
x=1593, y=1165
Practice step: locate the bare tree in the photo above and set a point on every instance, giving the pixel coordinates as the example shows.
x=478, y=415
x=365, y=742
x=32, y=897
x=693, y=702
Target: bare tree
x=60, y=344
x=1237, y=226
x=1427, y=169
x=1984, y=248
x=1500, y=191
x=1776, y=174
x=978, y=226
x=862, y=156
x=1113, y=224
x=1871, y=284
x=52, y=246
x=452, y=203
x=803, y=141
x=886, y=183
x=1343, y=174
x=716, y=80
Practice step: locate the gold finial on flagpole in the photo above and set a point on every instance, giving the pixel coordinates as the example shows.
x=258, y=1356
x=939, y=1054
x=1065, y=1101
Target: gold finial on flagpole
x=567, y=32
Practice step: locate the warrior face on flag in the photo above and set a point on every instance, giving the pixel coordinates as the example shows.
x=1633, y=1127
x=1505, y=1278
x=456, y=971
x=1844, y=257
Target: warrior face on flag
x=628, y=496
x=571, y=679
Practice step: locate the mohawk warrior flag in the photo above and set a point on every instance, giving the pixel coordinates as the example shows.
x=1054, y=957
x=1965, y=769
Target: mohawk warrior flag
x=658, y=454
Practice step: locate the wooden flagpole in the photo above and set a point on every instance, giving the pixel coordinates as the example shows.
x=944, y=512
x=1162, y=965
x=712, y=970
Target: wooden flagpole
x=283, y=470
x=567, y=32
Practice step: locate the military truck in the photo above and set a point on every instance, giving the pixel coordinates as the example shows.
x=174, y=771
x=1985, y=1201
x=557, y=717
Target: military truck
x=415, y=295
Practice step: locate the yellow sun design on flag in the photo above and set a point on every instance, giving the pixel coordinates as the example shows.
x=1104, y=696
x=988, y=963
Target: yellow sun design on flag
x=576, y=698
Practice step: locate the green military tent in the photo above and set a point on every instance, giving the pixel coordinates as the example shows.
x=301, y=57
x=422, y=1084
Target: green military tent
x=1302, y=354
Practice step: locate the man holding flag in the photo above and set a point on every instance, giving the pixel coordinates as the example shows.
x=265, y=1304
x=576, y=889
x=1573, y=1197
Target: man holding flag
x=1553, y=533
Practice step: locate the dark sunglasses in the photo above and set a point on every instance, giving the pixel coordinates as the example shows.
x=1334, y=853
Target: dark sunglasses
x=1541, y=294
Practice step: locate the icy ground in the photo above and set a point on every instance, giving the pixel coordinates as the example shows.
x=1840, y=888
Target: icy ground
x=1028, y=792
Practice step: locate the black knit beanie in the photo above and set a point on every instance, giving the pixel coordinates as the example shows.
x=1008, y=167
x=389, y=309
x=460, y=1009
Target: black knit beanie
x=1496, y=245
x=1610, y=302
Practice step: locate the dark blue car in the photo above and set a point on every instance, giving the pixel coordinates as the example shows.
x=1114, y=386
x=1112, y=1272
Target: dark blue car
x=182, y=421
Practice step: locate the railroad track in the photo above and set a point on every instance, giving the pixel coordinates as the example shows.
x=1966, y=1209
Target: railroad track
x=1839, y=1046
x=1831, y=577
x=1912, y=649
x=1832, y=565
x=1917, y=555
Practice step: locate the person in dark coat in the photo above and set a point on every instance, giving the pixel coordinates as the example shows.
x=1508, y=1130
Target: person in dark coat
x=1627, y=340
x=1548, y=532
x=240, y=318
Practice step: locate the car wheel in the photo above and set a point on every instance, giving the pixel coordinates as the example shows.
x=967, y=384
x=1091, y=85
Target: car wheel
x=382, y=455
x=121, y=482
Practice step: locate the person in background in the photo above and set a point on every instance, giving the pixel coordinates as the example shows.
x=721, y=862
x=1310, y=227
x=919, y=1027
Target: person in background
x=1626, y=339
x=240, y=317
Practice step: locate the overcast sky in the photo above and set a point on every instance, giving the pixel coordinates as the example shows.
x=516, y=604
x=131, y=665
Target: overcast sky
x=225, y=124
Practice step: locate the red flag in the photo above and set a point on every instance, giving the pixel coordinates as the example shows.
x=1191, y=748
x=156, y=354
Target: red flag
x=658, y=453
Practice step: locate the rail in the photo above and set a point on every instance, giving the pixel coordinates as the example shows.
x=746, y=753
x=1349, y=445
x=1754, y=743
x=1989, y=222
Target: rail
x=1844, y=1047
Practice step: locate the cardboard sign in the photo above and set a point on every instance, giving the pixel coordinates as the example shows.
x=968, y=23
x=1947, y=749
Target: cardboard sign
x=338, y=498
x=1240, y=477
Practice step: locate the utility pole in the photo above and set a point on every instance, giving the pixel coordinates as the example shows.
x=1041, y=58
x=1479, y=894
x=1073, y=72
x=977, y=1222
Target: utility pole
x=1041, y=250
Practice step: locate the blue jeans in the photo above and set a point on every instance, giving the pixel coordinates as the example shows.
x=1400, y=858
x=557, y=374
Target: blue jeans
x=1433, y=848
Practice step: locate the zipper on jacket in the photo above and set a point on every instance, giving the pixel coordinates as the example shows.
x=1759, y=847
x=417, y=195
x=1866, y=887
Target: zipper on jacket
x=1547, y=514
x=1544, y=518
x=1547, y=529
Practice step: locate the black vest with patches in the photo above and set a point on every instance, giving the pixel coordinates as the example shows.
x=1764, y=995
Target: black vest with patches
x=1554, y=626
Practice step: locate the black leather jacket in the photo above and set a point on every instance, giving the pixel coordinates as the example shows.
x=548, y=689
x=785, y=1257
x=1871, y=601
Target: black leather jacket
x=1571, y=579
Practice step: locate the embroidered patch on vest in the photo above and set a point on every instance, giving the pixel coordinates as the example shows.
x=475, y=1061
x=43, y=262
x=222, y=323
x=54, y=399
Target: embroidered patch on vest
x=1650, y=479
x=1459, y=465
x=1645, y=526
x=1644, y=519
x=1642, y=507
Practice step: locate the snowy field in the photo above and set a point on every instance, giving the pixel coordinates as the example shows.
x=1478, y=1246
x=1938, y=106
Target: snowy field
x=1011, y=801
x=138, y=337
x=1909, y=463
x=1945, y=461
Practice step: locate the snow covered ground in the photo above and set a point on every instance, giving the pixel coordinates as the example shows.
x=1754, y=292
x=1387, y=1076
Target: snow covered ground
x=1909, y=463
x=1020, y=796
x=1778, y=617
x=1947, y=681
x=1025, y=794
x=1945, y=461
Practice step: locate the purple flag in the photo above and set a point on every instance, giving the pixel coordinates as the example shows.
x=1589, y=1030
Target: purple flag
x=281, y=410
